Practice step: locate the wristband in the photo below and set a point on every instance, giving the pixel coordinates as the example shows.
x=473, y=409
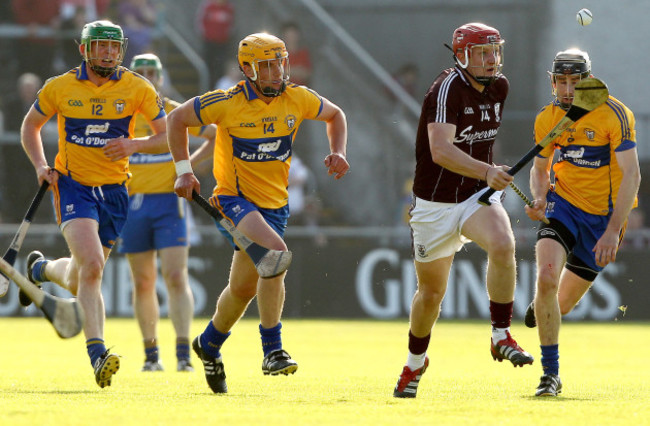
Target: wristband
x=182, y=167
x=486, y=173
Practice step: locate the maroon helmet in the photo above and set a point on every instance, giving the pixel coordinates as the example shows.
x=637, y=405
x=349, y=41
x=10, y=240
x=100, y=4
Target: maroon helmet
x=474, y=34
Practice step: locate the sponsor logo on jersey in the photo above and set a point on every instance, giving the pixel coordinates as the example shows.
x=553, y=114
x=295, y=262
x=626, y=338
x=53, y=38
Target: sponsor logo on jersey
x=98, y=100
x=246, y=124
x=75, y=103
x=469, y=110
x=97, y=128
x=269, y=146
x=590, y=134
x=119, y=105
x=467, y=136
x=269, y=119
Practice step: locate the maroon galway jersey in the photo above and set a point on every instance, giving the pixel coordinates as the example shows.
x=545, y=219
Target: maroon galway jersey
x=476, y=115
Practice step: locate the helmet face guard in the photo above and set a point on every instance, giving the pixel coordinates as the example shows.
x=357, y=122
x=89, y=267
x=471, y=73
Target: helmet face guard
x=570, y=63
x=268, y=59
x=103, y=35
x=476, y=40
x=149, y=66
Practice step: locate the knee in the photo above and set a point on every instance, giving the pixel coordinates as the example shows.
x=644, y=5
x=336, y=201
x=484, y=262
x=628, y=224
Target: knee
x=547, y=282
x=430, y=298
x=91, y=271
x=176, y=280
x=502, y=250
x=244, y=292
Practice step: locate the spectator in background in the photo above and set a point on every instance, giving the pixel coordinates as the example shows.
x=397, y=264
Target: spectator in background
x=299, y=56
x=231, y=76
x=138, y=18
x=215, y=20
x=73, y=16
x=36, y=54
x=16, y=106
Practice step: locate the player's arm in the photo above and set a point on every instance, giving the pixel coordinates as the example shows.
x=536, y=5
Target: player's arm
x=202, y=153
x=122, y=147
x=540, y=183
x=30, y=138
x=337, y=134
x=446, y=154
x=178, y=121
x=607, y=245
x=156, y=143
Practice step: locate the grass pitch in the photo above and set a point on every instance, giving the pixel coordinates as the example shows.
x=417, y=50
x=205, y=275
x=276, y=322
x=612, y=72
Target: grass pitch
x=347, y=373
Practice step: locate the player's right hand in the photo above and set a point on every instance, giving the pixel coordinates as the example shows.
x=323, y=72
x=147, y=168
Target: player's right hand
x=537, y=212
x=498, y=177
x=185, y=184
x=47, y=173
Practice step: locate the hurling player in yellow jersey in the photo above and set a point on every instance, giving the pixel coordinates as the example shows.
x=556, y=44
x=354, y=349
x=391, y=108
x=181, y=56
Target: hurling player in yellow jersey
x=256, y=123
x=95, y=104
x=157, y=226
x=595, y=186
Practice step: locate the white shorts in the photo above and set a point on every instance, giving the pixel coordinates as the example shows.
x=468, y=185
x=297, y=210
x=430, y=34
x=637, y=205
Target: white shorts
x=436, y=227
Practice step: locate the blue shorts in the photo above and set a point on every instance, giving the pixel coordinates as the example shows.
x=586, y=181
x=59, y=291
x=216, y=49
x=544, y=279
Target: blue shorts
x=107, y=204
x=155, y=221
x=235, y=208
x=585, y=228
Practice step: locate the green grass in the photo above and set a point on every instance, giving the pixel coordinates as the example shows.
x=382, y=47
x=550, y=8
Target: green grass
x=346, y=376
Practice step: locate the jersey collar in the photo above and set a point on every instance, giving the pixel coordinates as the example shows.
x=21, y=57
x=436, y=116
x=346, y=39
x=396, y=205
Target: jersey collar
x=82, y=73
x=462, y=75
x=249, y=92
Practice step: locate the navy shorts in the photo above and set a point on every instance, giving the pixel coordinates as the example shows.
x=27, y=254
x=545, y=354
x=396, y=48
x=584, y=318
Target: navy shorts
x=235, y=208
x=107, y=204
x=576, y=230
x=155, y=221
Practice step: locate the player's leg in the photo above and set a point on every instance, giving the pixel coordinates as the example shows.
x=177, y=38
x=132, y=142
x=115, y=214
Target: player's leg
x=145, y=304
x=173, y=264
x=432, y=280
x=231, y=305
x=266, y=227
x=490, y=228
x=572, y=289
x=550, y=258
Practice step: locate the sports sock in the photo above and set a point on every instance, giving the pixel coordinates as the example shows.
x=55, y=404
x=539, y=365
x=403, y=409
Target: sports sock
x=151, y=350
x=415, y=361
x=271, y=338
x=418, y=345
x=212, y=340
x=38, y=271
x=96, y=348
x=498, y=334
x=550, y=359
x=501, y=314
x=182, y=348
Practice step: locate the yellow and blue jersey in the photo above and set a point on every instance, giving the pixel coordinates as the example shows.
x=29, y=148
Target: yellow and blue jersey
x=254, y=140
x=587, y=172
x=153, y=173
x=90, y=115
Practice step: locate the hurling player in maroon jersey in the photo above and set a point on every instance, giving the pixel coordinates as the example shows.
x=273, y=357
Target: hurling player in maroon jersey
x=461, y=115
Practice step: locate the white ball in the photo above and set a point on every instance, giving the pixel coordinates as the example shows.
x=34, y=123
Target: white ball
x=584, y=17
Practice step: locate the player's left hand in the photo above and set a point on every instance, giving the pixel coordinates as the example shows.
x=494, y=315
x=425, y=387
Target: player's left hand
x=336, y=165
x=118, y=148
x=606, y=248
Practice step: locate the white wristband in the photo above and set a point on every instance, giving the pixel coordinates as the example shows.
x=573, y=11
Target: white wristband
x=182, y=167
